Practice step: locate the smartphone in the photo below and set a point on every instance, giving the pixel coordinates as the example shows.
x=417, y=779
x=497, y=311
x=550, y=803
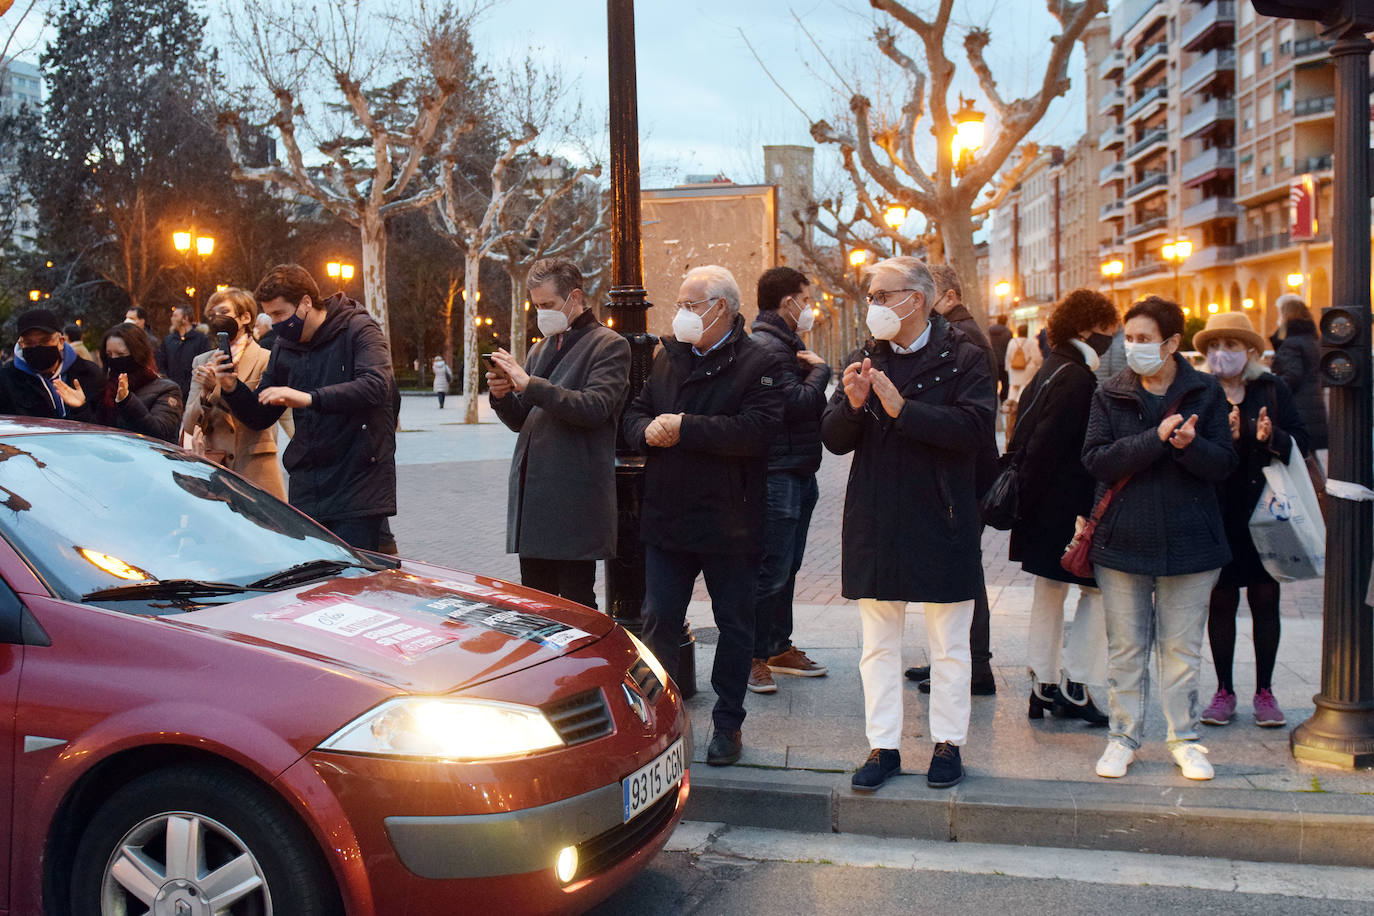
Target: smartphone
x=222, y=341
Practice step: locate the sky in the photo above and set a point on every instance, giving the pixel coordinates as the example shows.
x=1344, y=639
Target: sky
x=706, y=105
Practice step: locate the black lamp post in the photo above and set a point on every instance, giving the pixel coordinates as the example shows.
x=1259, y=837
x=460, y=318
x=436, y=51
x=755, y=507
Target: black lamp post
x=1341, y=731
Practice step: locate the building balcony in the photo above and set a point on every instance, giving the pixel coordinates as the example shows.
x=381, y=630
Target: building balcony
x=1214, y=22
x=1212, y=208
x=1151, y=55
x=1264, y=244
x=1151, y=140
x=1159, y=95
x=1212, y=256
x=1320, y=106
x=1208, y=115
x=1111, y=246
x=1307, y=47
x=1112, y=65
x=1151, y=183
x=1209, y=163
x=1312, y=164
x=1110, y=101
x=1146, y=268
x=1112, y=209
x=1203, y=71
x=1145, y=228
x=1115, y=171
x=1112, y=137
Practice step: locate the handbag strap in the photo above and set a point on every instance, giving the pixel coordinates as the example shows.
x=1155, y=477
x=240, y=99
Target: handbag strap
x=1117, y=487
x=1024, y=415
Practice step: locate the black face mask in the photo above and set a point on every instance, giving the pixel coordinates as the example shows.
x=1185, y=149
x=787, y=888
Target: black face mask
x=41, y=359
x=1099, y=342
x=117, y=365
x=223, y=324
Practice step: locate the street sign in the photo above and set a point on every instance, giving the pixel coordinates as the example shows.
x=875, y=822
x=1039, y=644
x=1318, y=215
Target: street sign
x=1302, y=205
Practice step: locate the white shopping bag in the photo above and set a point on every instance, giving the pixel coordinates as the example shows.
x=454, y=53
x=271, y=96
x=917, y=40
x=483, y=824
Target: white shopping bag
x=1287, y=525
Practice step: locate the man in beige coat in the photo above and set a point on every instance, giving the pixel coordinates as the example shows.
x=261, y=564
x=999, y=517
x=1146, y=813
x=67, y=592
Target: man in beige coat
x=250, y=452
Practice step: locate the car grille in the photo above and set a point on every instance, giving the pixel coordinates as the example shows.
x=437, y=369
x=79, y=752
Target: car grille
x=643, y=676
x=602, y=852
x=581, y=717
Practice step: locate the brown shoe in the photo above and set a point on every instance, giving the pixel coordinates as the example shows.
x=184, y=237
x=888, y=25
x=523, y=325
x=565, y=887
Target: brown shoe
x=795, y=662
x=761, y=679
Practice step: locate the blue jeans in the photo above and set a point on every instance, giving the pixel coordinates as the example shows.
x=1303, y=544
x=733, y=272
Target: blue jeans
x=669, y=576
x=1167, y=613
x=791, y=500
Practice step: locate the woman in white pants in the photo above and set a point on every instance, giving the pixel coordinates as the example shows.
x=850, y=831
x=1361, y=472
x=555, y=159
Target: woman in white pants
x=1054, y=491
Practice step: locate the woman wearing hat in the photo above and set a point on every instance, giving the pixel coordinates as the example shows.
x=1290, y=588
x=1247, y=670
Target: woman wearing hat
x=1265, y=425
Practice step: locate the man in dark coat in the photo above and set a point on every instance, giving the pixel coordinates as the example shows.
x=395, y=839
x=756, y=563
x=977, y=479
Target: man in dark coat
x=180, y=348
x=914, y=408
x=949, y=305
x=565, y=407
x=706, y=417
x=46, y=378
x=999, y=335
x=332, y=367
x=784, y=312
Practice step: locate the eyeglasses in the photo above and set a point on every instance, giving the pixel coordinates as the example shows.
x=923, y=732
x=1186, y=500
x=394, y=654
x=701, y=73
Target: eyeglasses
x=882, y=297
x=691, y=305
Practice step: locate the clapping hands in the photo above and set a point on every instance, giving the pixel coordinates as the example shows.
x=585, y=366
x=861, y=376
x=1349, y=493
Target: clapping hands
x=860, y=379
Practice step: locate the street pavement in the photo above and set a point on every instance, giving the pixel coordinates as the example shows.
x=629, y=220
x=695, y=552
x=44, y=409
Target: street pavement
x=1027, y=782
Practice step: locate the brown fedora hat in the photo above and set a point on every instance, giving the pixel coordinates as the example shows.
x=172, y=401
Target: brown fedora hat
x=1235, y=325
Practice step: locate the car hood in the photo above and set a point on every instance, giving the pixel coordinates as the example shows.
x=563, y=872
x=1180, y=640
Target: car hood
x=420, y=628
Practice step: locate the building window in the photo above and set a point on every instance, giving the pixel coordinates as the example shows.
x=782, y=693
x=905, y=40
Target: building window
x=1247, y=117
x=1286, y=155
x=1247, y=63
x=1267, y=169
x=1285, y=94
x=1266, y=54
x=1266, y=108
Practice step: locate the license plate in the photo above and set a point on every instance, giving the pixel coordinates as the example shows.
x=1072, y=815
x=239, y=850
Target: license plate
x=652, y=781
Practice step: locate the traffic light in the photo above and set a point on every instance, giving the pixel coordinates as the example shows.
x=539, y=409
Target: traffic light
x=1344, y=348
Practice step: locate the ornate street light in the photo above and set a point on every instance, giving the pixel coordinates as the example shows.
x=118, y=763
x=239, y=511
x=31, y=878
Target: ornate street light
x=1111, y=270
x=894, y=216
x=1002, y=289
x=341, y=271
x=1177, y=252
x=185, y=242
x=968, y=134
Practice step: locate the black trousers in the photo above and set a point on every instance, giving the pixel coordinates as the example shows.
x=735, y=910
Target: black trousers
x=364, y=533
x=571, y=579
x=668, y=580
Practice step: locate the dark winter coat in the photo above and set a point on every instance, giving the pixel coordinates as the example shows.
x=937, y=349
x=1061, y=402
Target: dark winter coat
x=1295, y=361
x=912, y=530
x=1241, y=491
x=999, y=335
x=25, y=394
x=176, y=355
x=986, y=460
x=1053, y=486
x=341, y=461
x=706, y=494
x=153, y=409
x=797, y=449
x=561, y=503
x=1166, y=521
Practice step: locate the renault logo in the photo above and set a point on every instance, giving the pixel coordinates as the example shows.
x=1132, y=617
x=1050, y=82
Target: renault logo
x=638, y=705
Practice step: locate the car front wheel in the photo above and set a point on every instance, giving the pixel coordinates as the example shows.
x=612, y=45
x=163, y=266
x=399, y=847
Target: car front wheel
x=198, y=842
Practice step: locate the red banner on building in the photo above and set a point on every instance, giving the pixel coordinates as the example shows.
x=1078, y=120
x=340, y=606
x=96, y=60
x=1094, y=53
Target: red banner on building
x=1302, y=204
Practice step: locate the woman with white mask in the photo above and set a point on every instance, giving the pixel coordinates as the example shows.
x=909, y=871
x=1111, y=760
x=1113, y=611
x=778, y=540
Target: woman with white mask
x=1158, y=443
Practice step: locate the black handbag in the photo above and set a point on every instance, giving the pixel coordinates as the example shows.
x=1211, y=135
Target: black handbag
x=1000, y=505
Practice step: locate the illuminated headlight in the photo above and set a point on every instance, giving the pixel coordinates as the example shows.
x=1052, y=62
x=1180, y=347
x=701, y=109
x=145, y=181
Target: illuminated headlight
x=649, y=659
x=566, y=864
x=447, y=729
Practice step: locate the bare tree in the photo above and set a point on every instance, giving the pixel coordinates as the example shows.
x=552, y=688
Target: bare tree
x=879, y=146
x=371, y=93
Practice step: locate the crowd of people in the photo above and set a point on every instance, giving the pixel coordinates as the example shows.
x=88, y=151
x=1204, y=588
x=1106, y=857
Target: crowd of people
x=1114, y=442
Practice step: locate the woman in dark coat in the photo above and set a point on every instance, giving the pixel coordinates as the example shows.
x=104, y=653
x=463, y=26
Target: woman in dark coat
x=1265, y=425
x=1161, y=427
x=1295, y=362
x=1054, y=491
x=136, y=398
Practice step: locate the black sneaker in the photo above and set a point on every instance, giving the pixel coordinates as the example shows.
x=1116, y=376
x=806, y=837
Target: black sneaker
x=919, y=673
x=724, y=749
x=945, y=767
x=881, y=765
x=977, y=686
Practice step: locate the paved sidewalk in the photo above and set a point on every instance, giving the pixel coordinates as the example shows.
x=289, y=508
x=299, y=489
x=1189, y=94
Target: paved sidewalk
x=1027, y=782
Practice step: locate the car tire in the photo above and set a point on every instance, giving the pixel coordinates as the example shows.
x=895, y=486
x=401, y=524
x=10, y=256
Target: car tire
x=248, y=847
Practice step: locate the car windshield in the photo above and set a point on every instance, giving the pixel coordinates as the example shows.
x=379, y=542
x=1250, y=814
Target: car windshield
x=97, y=511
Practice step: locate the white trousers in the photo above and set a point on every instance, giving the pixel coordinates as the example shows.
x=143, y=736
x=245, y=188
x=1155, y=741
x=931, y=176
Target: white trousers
x=1085, y=659
x=880, y=668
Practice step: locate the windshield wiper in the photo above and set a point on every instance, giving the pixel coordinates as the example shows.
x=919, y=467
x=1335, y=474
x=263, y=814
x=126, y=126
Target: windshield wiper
x=170, y=588
x=304, y=572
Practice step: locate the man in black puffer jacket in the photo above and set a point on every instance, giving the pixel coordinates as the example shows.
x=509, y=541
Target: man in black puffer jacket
x=332, y=366
x=706, y=417
x=784, y=311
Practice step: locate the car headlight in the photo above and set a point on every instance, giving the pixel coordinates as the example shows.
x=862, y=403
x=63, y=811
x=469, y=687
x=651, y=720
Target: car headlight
x=447, y=729
x=649, y=659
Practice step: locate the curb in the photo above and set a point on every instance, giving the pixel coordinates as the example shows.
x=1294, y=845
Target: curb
x=1309, y=828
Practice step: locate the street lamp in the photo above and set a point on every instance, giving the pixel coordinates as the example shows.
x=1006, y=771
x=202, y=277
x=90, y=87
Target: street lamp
x=968, y=134
x=1002, y=289
x=340, y=270
x=204, y=245
x=1111, y=270
x=894, y=216
x=1294, y=281
x=1177, y=252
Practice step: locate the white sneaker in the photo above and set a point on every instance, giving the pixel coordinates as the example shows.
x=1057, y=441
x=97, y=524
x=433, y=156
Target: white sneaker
x=1115, y=760
x=1192, y=760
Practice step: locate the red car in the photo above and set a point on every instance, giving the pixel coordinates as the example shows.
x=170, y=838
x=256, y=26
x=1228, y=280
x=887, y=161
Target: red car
x=216, y=707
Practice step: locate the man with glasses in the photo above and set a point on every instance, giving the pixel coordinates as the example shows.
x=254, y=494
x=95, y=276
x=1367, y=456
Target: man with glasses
x=706, y=418
x=784, y=313
x=914, y=407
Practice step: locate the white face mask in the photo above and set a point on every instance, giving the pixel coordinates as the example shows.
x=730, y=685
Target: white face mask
x=551, y=321
x=688, y=326
x=1144, y=359
x=805, y=318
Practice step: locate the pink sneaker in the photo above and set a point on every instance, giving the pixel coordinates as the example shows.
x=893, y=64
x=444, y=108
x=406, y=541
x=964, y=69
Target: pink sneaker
x=1223, y=707
x=1267, y=712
